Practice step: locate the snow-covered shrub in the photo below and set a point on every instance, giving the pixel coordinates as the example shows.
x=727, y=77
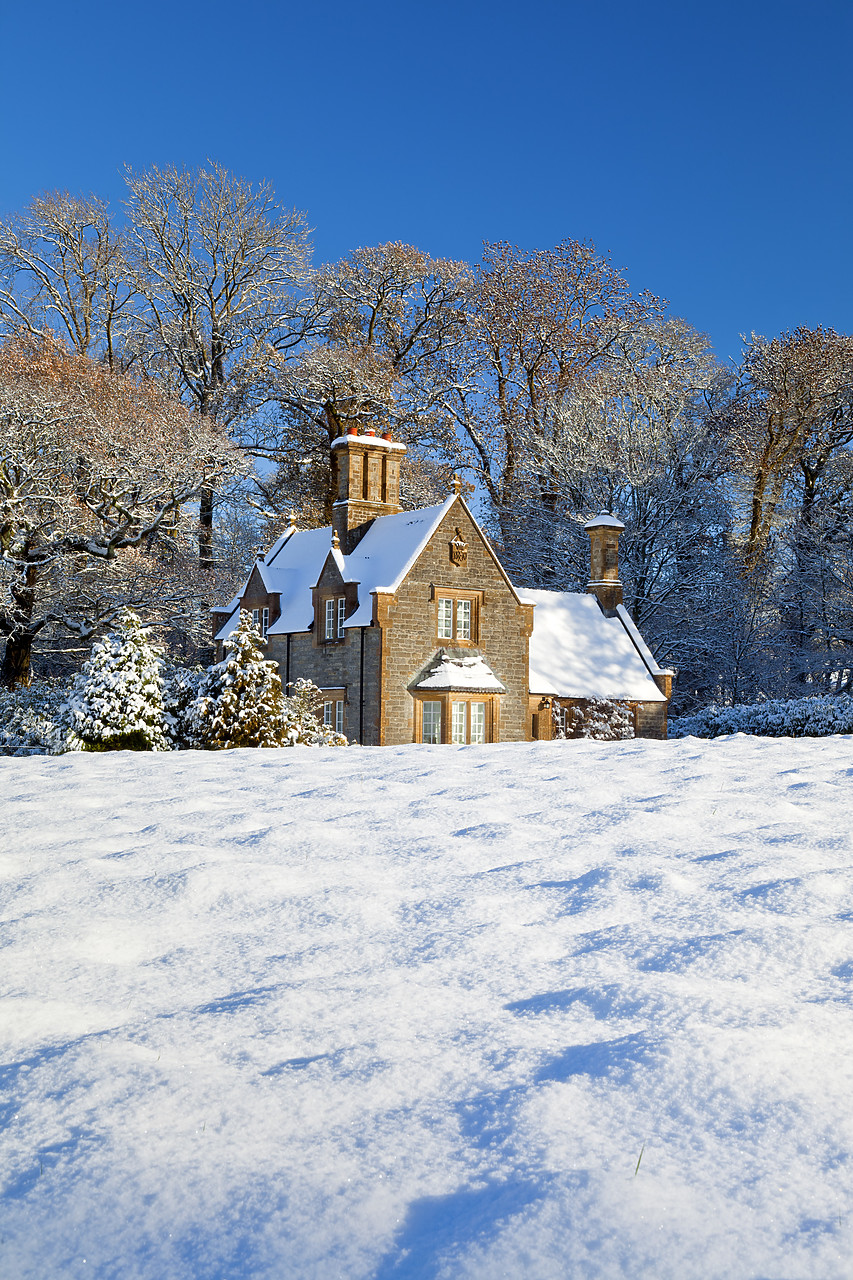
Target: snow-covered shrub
x=116, y=702
x=181, y=688
x=240, y=701
x=798, y=718
x=303, y=723
x=29, y=719
x=604, y=719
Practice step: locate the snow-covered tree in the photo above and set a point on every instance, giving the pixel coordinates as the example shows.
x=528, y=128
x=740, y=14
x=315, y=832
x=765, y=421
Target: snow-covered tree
x=181, y=688
x=303, y=724
x=116, y=702
x=93, y=464
x=240, y=701
x=603, y=719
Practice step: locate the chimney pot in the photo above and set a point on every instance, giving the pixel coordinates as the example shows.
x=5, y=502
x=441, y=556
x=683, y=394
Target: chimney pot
x=352, y=431
x=370, y=431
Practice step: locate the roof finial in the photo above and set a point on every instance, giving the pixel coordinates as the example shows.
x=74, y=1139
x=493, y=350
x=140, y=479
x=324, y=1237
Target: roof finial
x=292, y=518
x=457, y=485
x=336, y=542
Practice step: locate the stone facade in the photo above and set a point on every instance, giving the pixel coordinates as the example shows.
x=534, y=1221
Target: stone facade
x=409, y=622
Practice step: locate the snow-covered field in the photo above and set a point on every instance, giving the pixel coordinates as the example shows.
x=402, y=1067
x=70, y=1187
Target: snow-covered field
x=418, y=1013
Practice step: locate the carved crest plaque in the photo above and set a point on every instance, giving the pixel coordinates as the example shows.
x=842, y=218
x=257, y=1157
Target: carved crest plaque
x=458, y=550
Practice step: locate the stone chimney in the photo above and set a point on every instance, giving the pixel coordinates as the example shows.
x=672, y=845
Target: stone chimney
x=604, y=530
x=365, y=481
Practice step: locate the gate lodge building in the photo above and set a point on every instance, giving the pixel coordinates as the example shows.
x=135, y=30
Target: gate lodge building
x=410, y=626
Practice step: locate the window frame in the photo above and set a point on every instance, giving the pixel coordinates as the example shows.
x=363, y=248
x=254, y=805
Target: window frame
x=457, y=600
x=334, y=613
x=333, y=714
x=446, y=702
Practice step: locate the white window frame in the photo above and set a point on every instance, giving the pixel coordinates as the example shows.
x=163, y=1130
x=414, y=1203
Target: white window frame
x=445, y=617
x=433, y=719
x=457, y=617
x=329, y=633
x=342, y=614
x=328, y=711
x=339, y=715
x=480, y=739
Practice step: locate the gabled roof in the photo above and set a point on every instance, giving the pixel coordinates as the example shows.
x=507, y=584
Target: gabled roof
x=577, y=652
x=380, y=562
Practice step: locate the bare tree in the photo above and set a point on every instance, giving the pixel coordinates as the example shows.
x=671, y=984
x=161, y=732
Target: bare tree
x=793, y=413
x=539, y=322
x=218, y=264
x=63, y=269
x=92, y=463
x=394, y=321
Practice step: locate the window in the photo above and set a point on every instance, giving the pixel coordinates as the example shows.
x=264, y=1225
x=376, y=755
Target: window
x=445, y=619
x=431, y=722
x=457, y=719
x=261, y=621
x=468, y=722
x=457, y=619
x=335, y=616
x=333, y=714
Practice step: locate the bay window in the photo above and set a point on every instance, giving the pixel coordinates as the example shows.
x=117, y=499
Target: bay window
x=457, y=719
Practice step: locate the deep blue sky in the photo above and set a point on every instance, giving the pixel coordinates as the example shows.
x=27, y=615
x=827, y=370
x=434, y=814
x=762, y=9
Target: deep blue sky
x=706, y=148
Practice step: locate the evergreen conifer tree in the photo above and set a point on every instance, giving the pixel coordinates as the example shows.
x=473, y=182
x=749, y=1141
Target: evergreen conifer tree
x=241, y=702
x=115, y=703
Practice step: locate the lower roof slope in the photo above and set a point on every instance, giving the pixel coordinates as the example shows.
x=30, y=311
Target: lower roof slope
x=576, y=652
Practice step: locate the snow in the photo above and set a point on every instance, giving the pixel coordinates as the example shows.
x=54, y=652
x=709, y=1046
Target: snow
x=381, y=560
x=422, y=1012
x=469, y=672
x=297, y=565
x=604, y=520
x=375, y=442
x=575, y=651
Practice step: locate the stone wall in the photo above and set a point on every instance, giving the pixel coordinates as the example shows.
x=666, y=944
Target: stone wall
x=409, y=622
x=338, y=666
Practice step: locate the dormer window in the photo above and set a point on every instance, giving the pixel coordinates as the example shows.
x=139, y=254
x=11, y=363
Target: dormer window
x=261, y=621
x=335, y=618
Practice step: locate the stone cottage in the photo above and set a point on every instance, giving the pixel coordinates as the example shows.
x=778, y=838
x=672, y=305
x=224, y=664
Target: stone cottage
x=412, y=629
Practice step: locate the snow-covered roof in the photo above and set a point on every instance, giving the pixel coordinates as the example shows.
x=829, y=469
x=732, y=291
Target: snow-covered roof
x=576, y=652
x=463, y=671
x=374, y=442
x=645, y=652
x=230, y=624
x=604, y=520
x=380, y=562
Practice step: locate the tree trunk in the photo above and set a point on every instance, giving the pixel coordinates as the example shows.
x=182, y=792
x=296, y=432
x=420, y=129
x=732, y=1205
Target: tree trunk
x=16, y=669
x=205, y=530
